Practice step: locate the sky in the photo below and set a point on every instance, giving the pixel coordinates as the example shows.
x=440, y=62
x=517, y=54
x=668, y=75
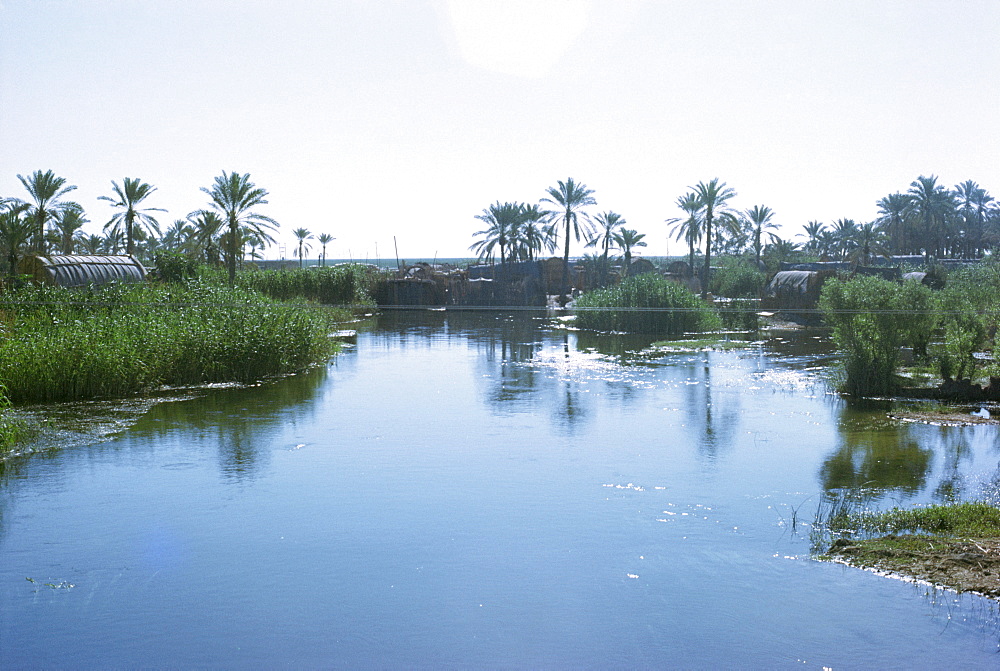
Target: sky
x=383, y=120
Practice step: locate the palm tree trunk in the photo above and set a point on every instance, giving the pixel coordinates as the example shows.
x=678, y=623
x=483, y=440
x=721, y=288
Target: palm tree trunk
x=565, y=273
x=708, y=254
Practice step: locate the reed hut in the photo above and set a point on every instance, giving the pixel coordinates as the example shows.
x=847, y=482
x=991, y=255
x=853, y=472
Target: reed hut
x=81, y=271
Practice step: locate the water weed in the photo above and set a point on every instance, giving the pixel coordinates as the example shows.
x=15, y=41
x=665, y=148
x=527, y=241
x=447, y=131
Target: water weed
x=60, y=345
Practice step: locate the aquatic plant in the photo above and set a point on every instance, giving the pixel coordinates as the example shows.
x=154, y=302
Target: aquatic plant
x=59, y=344
x=344, y=285
x=646, y=303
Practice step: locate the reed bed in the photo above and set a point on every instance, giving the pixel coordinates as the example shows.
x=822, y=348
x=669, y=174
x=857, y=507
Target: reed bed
x=349, y=285
x=646, y=304
x=61, y=344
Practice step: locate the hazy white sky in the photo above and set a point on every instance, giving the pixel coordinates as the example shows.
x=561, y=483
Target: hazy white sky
x=369, y=119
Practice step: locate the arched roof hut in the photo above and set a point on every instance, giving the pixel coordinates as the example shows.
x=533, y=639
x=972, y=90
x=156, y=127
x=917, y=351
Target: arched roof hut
x=81, y=271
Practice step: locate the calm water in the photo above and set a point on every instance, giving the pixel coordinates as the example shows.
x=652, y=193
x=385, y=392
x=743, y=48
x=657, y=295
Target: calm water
x=482, y=490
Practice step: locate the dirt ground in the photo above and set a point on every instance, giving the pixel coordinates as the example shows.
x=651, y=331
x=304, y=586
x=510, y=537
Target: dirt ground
x=944, y=418
x=968, y=565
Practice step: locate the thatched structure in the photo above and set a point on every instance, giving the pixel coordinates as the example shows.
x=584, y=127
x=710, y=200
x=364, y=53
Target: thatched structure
x=81, y=271
x=791, y=290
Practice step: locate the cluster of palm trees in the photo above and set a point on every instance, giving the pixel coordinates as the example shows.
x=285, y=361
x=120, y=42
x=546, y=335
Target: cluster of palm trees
x=222, y=233
x=522, y=231
x=929, y=219
x=302, y=238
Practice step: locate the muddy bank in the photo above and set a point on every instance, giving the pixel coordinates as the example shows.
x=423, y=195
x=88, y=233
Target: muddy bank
x=966, y=565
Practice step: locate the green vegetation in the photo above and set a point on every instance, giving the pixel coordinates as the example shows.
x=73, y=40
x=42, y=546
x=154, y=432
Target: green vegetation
x=971, y=519
x=871, y=319
x=738, y=279
x=646, y=304
x=61, y=344
x=348, y=285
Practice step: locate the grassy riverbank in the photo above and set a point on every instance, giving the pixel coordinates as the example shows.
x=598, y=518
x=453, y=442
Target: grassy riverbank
x=116, y=341
x=955, y=545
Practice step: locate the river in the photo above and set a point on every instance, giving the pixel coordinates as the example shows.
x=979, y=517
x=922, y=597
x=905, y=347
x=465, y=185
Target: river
x=483, y=490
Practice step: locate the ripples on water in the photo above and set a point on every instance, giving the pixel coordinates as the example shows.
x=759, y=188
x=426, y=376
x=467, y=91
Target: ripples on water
x=482, y=491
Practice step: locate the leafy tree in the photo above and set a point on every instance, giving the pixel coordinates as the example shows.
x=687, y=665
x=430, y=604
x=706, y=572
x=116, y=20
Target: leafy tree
x=569, y=198
x=688, y=228
x=871, y=320
x=127, y=198
x=325, y=239
x=712, y=196
x=46, y=190
x=234, y=196
x=302, y=235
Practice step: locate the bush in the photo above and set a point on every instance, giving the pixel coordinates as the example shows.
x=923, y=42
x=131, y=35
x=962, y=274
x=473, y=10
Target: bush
x=871, y=320
x=738, y=280
x=646, y=304
x=174, y=266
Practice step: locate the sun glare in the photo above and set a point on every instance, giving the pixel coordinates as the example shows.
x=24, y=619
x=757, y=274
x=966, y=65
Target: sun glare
x=524, y=38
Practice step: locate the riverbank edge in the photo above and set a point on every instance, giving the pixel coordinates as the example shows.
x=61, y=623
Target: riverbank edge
x=955, y=546
x=960, y=564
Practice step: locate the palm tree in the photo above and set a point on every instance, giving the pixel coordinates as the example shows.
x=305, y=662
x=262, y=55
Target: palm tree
x=206, y=226
x=844, y=232
x=46, y=190
x=302, y=234
x=869, y=239
x=712, y=197
x=625, y=240
x=779, y=250
x=892, y=212
x=92, y=244
x=127, y=198
x=234, y=196
x=113, y=241
x=932, y=206
x=813, y=231
x=532, y=238
x=757, y=219
x=16, y=231
x=688, y=229
x=569, y=198
x=973, y=203
x=608, y=223
x=325, y=239
x=503, y=220
x=69, y=219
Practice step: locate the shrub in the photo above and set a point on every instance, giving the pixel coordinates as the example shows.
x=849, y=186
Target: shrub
x=646, y=304
x=738, y=280
x=871, y=320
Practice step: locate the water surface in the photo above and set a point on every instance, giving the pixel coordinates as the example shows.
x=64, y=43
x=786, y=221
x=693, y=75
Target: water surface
x=486, y=490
